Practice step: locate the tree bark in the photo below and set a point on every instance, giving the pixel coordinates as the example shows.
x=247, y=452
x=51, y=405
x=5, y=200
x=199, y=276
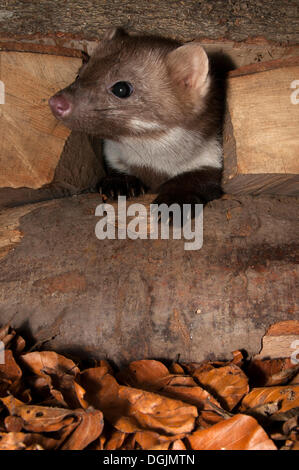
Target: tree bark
x=131, y=299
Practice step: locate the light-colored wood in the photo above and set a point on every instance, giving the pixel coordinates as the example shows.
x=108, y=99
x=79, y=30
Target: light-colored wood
x=261, y=137
x=281, y=340
x=31, y=139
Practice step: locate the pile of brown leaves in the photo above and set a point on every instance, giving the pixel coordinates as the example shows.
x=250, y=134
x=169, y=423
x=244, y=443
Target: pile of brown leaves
x=47, y=402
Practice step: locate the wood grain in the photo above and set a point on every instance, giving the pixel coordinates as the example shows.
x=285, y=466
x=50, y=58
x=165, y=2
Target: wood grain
x=31, y=139
x=136, y=299
x=261, y=136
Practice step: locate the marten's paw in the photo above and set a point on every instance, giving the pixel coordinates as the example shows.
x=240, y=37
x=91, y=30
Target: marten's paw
x=121, y=185
x=186, y=201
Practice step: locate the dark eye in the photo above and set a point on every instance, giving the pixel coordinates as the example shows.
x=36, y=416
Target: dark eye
x=122, y=89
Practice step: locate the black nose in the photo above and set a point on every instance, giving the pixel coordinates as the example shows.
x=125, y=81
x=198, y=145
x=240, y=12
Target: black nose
x=59, y=105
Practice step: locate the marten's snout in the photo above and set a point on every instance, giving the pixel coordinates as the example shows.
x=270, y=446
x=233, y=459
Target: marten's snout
x=60, y=105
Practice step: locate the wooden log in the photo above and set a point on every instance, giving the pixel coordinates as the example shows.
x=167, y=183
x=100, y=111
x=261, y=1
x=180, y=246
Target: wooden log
x=131, y=299
x=261, y=135
x=35, y=163
x=233, y=54
x=185, y=20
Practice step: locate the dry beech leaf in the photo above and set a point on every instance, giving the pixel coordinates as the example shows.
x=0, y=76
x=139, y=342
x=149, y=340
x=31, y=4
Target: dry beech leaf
x=13, y=423
x=12, y=340
x=228, y=383
x=58, y=373
x=208, y=418
x=89, y=429
x=21, y=441
x=196, y=396
x=18, y=345
x=35, y=447
x=13, y=440
x=286, y=395
x=130, y=409
x=105, y=364
x=4, y=330
x=10, y=373
x=191, y=367
x=154, y=376
x=98, y=444
x=176, y=368
x=266, y=372
x=178, y=445
x=144, y=373
x=116, y=440
x=146, y=410
x=240, y=432
x=149, y=440
x=39, y=418
x=130, y=443
x=39, y=360
x=238, y=358
x=101, y=388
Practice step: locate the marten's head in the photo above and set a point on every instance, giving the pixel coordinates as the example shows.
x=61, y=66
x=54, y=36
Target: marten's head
x=135, y=86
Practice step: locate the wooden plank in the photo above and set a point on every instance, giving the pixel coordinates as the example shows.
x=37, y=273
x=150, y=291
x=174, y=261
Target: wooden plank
x=236, y=54
x=261, y=135
x=31, y=139
x=281, y=340
x=273, y=19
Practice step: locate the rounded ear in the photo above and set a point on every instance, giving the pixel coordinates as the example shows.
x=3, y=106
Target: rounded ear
x=114, y=33
x=188, y=66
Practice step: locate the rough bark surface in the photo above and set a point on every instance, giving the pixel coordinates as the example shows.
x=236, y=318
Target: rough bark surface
x=274, y=19
x=131, y=299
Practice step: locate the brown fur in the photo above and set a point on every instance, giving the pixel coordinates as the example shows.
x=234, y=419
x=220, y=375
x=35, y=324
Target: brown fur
x=156, y=98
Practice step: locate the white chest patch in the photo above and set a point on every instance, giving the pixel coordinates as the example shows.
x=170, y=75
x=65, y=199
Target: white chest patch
x=177, y=151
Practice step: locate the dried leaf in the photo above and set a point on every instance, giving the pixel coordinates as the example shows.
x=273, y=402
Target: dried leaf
x=178, y=445
x=146, y=410
x=39, y=418
x=116, y=440
x=101, y=388
x=4, y=330
x=10, y=374
x=154, y=376
x=25, y=441
x=208, y=418
x=144, y=374
x=130, y=443
x=196, y=396
x=228, y=384
x=286, y=395
x=39, y=360
x=266, y=372
x=149, y=440
x=130, y=409
x=237, y=433
x=176, y=368
x=278, y=340
x=90, y=427
x=238, y=358
x=58, y=373
x=13, y=423
x=13, y=440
